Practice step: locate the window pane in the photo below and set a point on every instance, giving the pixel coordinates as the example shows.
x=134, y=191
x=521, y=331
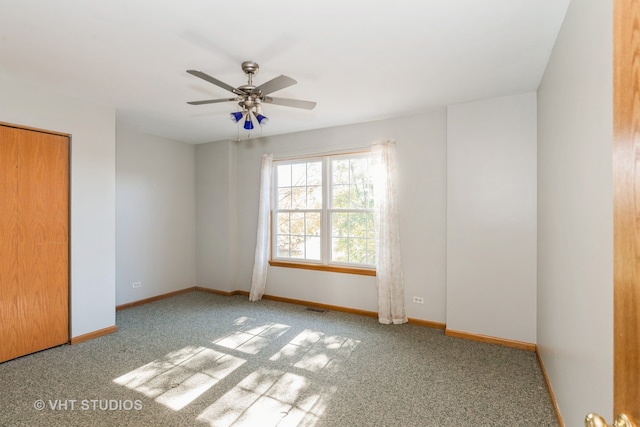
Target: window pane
x=284, y=175
x=313, y=223
x=297, y=223
x=282, y=219
x=313, y=247
x=297, y=247
x=371, y=231
x=360, y=184
x=340, y=196
x=351, y=185
x=314, y=197
x=283, y=249
x=298, y=198
x=340, y=171
x=339, y=224
x=358, y=250
x=358, y=196
x=299, y=174
x=358, y=224
x=359, y=169
x=369, y=190
x=284, y=198
x=314, y=173
x=340, y=249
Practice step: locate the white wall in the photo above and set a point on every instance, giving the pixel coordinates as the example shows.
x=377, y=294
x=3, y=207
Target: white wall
x=491, y=217
x=575, y=213
x=92, y=129
x=421, y=149
x=216, y=215
x=155, y=215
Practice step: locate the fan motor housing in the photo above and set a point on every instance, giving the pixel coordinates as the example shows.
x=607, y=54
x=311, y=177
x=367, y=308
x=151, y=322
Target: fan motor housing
x=246, y=88
x=250, y=67
x=249, y=103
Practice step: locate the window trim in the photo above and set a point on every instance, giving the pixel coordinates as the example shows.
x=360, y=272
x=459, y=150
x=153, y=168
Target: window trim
x=324, y=267
x=324, y=264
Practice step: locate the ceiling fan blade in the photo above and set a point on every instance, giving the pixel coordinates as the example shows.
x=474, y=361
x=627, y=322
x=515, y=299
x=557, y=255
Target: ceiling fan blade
x=210, y=101
x=296, y=103
x=215, y=81
x=275, y=84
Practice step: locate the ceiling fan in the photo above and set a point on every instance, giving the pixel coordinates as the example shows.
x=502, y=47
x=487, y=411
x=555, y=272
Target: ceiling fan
x=250, y=98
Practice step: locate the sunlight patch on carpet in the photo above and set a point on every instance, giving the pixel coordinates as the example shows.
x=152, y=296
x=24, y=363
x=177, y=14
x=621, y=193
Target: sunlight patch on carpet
x=181, y=376
x=270, y=397
x=265, y=397
x=315, y=351
x=253, y=339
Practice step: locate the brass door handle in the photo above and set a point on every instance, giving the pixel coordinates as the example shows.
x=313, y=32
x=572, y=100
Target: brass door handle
x=595, y=420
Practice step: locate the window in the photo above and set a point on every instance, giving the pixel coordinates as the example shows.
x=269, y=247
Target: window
x=322, y=213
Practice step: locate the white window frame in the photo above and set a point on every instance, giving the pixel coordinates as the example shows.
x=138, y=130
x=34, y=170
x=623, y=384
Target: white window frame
x=325, y=262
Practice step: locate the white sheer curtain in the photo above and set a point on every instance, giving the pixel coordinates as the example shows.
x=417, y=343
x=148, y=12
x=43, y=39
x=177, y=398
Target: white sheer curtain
x=389, y=276
x=259, y=279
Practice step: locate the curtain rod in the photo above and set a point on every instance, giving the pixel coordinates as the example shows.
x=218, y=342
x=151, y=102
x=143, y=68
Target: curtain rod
x=313, y=154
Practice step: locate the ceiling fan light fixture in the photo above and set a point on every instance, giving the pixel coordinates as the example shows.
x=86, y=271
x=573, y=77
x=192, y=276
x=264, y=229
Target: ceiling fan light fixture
x=248, y=124
x=236, y=117
x=262, y=120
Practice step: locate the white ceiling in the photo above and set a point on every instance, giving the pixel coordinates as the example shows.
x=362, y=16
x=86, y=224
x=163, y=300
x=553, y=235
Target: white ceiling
x=360, y=60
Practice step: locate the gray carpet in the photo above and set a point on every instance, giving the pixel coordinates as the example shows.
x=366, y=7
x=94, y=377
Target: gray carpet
x=205, y=360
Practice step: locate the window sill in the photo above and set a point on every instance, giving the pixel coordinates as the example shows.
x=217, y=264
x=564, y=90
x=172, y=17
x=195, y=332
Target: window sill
x=318, y=267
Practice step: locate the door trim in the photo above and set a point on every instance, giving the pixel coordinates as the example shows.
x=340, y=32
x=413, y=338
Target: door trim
x=626, y=207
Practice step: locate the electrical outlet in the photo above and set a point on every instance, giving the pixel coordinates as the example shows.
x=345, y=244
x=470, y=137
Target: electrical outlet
x=136, y=284
x=418, y=300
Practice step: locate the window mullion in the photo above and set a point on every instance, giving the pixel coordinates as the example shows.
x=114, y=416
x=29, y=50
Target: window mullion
x=325, y=234
x=273, y=191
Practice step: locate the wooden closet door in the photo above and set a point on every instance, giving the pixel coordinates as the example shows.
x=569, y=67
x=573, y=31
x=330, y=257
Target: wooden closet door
x=34, y=241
